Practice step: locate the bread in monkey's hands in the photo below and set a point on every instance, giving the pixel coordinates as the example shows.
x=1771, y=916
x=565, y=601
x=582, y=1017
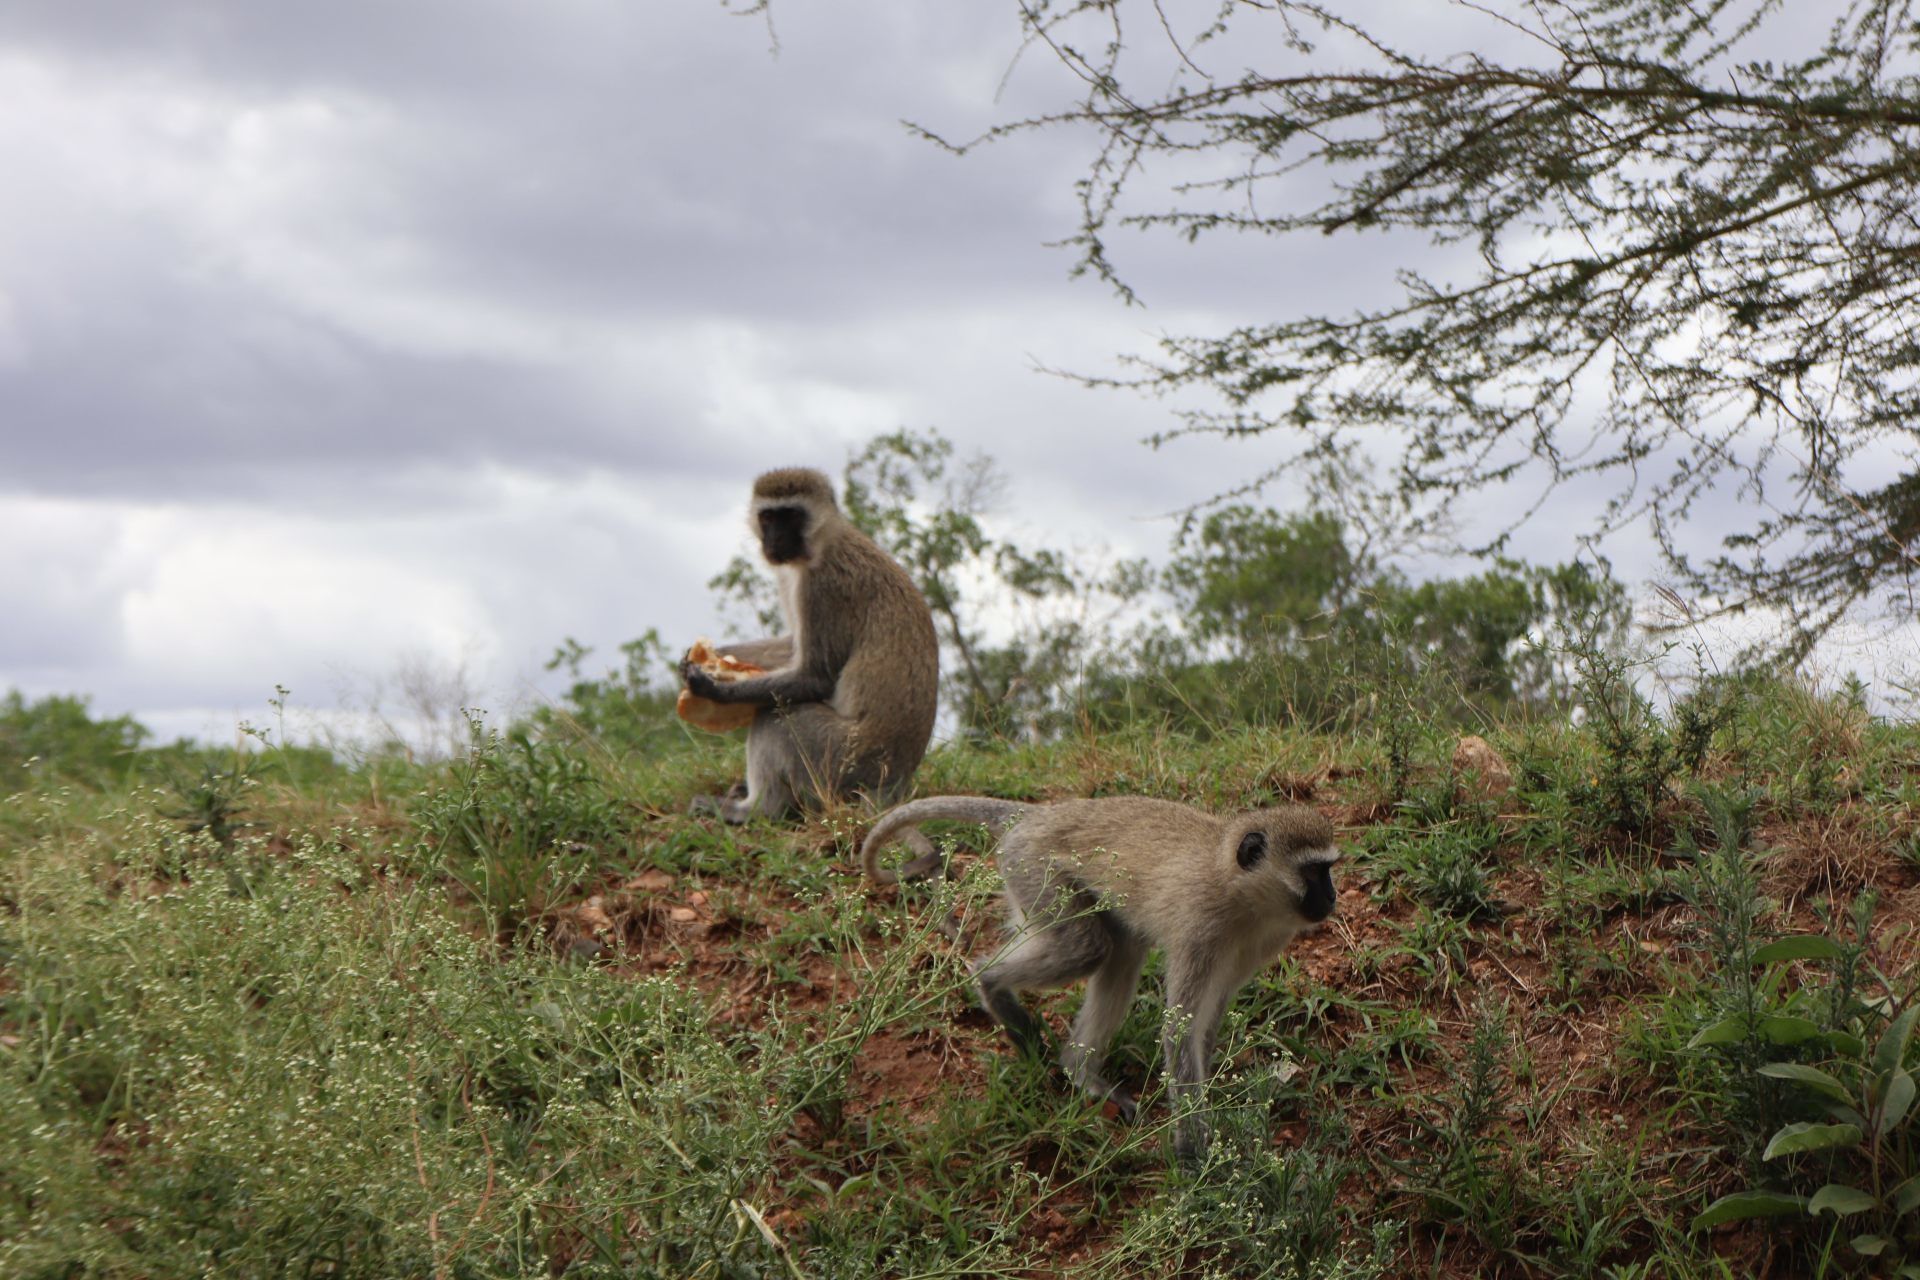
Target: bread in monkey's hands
x=716, y=717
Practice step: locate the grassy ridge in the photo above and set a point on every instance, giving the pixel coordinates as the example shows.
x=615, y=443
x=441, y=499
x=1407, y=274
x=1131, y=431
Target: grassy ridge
x=517, y=1016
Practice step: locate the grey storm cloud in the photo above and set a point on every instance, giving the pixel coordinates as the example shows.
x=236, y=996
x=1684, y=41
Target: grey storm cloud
x=374, y=245
x=448, y=234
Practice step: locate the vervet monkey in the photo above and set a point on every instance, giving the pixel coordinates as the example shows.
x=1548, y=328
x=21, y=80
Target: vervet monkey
x=848, y=700
x=1092, y=884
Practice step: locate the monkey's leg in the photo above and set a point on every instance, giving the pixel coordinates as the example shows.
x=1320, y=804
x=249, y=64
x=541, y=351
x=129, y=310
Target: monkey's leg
x=742, y=804
x=1197, y=996
x=785, y=751
x=793, y=757
x=1109, y=993
x=1048, y=956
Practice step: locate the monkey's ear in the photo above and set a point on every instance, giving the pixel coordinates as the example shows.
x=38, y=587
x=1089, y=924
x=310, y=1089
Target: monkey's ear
x=1253, y=847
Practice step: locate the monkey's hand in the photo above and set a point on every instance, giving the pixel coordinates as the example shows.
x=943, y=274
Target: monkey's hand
x=700, y=682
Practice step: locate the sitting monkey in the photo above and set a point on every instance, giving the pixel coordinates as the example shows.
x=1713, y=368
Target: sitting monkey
x=847, y=702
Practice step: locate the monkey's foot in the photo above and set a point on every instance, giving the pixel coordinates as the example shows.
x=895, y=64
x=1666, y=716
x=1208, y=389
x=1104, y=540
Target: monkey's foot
x=1190, y=1148
x=1102, y=1090
x=730, y=808
x=927, y=862
x=1029, y=1037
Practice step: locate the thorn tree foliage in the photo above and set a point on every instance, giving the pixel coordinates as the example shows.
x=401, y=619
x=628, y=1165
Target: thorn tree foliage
x=1680, y=258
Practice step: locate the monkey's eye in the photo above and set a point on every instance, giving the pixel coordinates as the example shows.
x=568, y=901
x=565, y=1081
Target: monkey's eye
x=1253, y=847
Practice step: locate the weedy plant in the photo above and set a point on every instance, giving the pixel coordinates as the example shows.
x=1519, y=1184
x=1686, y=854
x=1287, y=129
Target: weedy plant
x=1468, y=1175
x=1252, y=1209
x=1860, y=1148
x=1637, y=753
x=1740, y=998
x=1446, y=868
x=519, y=823
x=213, y=799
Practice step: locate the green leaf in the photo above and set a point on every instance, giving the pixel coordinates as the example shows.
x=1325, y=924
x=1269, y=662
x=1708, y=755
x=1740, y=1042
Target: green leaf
x=855, y=1185
x=1726, y=1031
x=1807, y=1136
x=1906, y=1196
x=1783, y=1028
x=1812, y=1077
x=1842, y=1199
x=1893, y=1108
x=1807, y=946
x=1847, y=1045
x=1908, y=1272
x=1748, y=1204
x=1870, y=1246
x=1892, y=1049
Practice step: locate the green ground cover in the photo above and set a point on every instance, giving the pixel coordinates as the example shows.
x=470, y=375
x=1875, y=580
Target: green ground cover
x=512, y=1015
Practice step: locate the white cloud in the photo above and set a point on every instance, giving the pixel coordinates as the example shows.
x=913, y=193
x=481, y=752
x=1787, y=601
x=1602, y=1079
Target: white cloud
x=244, y=603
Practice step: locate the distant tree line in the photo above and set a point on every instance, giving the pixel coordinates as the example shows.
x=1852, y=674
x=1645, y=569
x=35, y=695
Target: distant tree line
x=1258, y=615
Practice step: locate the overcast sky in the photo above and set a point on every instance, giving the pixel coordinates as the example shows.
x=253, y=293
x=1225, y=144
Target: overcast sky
x=339, y=336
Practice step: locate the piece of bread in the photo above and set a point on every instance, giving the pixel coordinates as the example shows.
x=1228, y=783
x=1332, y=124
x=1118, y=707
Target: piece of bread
x=716, y=717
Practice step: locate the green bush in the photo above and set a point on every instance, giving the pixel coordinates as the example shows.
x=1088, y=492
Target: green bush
x=1445, y=867
x=520, y=822
x=627, y=711
x=57, y=736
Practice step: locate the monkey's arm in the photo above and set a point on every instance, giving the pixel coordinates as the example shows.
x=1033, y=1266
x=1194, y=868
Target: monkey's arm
x=790, y=687
x=1197, y=995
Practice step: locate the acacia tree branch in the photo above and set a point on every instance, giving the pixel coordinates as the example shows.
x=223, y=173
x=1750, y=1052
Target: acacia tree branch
x=1743, y=304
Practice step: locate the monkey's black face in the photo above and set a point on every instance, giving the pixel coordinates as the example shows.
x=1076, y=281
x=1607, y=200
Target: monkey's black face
x=1316, y=904
x=783, y=534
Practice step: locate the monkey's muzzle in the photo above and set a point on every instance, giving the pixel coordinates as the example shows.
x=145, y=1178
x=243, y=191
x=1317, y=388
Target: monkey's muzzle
x=1317, y=903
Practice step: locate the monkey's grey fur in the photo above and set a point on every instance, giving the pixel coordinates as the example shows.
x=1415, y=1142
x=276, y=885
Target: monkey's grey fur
x=848, y=700
x=1092, y=884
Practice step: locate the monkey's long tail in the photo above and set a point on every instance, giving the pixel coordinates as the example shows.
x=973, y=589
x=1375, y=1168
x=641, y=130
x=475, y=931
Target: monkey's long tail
x=903, y=823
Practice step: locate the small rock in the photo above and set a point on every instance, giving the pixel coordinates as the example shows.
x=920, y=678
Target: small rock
x=1482, y=770
x=593, y=914
x=683, y=915
x=652, y=880
x=697, y=898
